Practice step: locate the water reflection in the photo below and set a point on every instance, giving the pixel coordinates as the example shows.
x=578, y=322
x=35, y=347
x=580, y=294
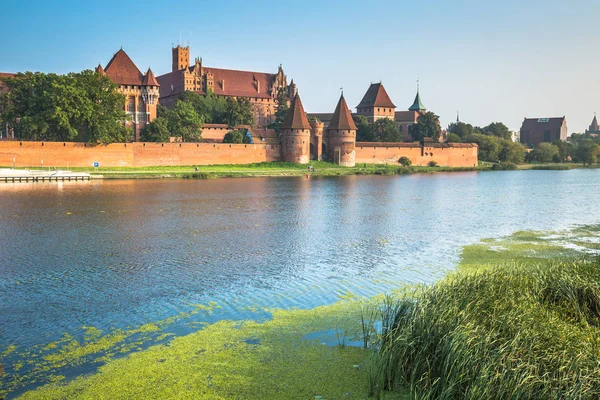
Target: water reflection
x=117, y=253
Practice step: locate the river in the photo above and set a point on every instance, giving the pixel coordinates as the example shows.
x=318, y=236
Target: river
x=116, y=254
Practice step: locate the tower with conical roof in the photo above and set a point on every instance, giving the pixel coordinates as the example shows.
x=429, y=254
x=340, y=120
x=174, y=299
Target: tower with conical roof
x=295, y=134
x=376, y=104
x=418, y=105
x=340, y=136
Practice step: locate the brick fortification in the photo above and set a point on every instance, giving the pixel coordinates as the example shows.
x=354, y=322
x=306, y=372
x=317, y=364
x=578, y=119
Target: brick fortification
x=59, y=154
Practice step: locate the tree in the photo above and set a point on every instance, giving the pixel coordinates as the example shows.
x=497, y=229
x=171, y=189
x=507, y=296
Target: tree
x=497, y=129
x=156, y=131
x=363, y=133
x=564, y=150
x=453, y=138
x=544, y=152
x=184, y=122
x=281, y=109
x=461, y=129
x=384, y=130
x=428, y=125
x=512, y=152
x=238, y=136
x=82, y=106
x=238, y=112
x=489, y=146
x=587, y=153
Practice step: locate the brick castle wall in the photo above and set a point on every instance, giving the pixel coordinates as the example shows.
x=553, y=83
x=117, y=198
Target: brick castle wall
x=59, y=154
x=450, y=155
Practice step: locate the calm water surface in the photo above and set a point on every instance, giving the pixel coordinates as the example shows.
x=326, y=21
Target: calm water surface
x=112, y=254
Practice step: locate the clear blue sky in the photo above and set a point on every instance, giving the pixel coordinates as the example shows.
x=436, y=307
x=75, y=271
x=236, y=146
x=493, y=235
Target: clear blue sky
x=492, y=60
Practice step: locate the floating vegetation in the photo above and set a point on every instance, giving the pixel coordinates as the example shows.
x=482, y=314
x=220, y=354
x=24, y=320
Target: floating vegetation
x=285, y=357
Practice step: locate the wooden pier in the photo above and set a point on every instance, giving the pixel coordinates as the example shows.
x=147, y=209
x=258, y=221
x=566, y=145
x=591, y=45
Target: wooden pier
x=12, y=175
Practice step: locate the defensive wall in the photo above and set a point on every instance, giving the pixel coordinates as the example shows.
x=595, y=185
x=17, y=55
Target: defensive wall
x=59, y=154
x=445, y=154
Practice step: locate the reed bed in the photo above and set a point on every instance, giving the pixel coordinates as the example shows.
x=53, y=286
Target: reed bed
x=512, y=332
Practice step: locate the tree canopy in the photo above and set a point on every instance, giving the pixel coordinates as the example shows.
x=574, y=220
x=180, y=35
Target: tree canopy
x=428, y=125
x=236, y=136
x=281, y=108
x=363, y=133
x=384, y=130
x=82, y=106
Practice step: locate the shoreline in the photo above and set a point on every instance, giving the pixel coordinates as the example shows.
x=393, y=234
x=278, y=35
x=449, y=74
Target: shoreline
x=282, y=169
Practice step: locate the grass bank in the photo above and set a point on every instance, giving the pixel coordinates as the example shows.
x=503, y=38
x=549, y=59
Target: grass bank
x=520, y=319
x=321, y=168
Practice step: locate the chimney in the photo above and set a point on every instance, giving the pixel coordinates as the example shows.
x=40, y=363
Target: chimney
x=223, y=84
x=257, y=86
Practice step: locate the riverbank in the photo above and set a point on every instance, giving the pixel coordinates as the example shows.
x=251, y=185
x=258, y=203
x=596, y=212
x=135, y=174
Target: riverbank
x=283, y=169
x=318, y=353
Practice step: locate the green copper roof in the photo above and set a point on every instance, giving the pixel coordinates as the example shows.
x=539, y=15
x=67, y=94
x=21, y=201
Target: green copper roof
x=417, y=105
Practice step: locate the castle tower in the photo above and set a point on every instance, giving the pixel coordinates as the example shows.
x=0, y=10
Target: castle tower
x=316, y=140
x=418, y=105
x=341, y=136
x=295, y=134
x=181, y=58
x=150, y=94
x=376, y=104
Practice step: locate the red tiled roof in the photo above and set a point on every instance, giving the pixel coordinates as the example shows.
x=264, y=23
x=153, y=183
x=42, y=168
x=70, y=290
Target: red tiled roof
x=342, y=119
x=296, y=117
x=122, y=71
x=533, y=124
x=227, y=82
x=376, y=96
x=406, y=116
x=5, y=75
x=149, y=79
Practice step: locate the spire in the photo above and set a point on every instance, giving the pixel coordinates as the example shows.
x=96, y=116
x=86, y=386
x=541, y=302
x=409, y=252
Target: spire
x=457, y=117
x=594, y=127
x=100, y=70
x=149, y=79
x=417, y=104
x=295, y=117
x=341, y=118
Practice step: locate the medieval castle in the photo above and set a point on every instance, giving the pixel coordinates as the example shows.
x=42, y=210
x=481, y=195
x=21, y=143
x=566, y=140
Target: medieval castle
x=330, y=137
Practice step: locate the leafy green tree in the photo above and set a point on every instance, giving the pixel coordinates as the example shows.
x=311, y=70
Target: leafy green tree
x=453, y=138
x=428, y=125
x=211, y=108
x=587, y=153
x=236, y=136
x=384, y=130
x=461, y=129
x=544, y=152
x=564, y=150
x=363, y=133
x=157, y=131
x=489, y=146
x=184, y=122
x=281, y=108
x=512, y=152
x=82, y=106
x=497, y=129
x=238, y=112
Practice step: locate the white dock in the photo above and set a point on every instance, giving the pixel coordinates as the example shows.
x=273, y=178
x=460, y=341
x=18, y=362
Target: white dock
x=26, y=175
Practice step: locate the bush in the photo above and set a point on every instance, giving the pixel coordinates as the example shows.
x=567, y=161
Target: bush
x=527, y=332
x=432, y=163
x=405, y=161
x=504, y=166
